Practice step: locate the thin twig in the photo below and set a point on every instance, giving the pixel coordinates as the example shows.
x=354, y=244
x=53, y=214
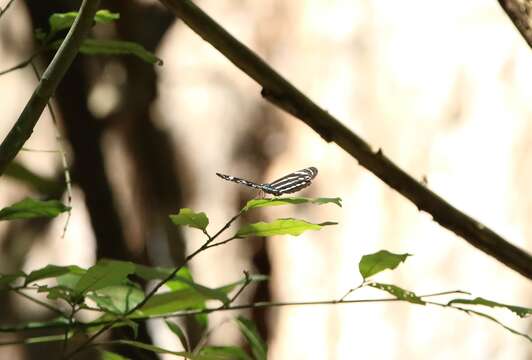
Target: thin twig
x=221, y=242
x=39, y=150
x=67, y=330
x=18, y=66
x=247, y=281
x=42, y=303
x=62, y=152
x=353, y=290
x=2, y=11
x=283, y=94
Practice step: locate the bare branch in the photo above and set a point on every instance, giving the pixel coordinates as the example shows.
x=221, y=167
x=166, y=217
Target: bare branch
x=520, y=12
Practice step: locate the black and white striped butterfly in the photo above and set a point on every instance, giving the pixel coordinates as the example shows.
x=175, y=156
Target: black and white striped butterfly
x=287, y=184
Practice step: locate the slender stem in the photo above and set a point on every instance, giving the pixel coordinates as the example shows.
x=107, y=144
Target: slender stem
x=220, y=243
x=18, y=66
x=353, y=290
x=62, y=152
x=247, y=281
x=37, y=301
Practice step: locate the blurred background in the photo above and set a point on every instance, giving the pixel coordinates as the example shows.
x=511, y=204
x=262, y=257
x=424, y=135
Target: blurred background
x=442, y=87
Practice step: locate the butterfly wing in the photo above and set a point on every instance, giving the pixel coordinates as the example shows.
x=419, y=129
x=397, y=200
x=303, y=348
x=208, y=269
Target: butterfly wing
x=292, y=182
x=240, y=181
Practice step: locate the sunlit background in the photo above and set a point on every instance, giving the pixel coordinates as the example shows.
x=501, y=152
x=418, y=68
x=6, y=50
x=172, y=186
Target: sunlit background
x=442, y=87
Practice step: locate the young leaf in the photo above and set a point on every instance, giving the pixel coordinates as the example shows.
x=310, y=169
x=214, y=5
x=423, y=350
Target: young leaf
x=105, y=273
x=258, y=203
x=176, y=329
x=222, y=353
x=118, y=299
x=250, y=332
x=520, y=311
x=375, y=263
x=399, y=293
x=50, y=271
x=189, y=218
x=293, y=227
x=31, y=208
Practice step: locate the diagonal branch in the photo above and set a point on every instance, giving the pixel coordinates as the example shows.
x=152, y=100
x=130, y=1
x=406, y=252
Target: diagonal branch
x=520, y=12
x=21, y=131
x=280, y=92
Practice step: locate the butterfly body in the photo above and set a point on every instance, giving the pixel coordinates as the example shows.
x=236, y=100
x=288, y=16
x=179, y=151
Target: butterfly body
x=286, y=185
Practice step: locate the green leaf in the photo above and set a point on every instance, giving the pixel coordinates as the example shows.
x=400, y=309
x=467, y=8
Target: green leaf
x=187, y=298
x=208, y=293
x=53, y=271
x=31, y=208
x=107, y=355
x=520, y=311
x=222, y=353
x=118, y=47
x=176, y=329
x=58, y=322
x=43, y=185
x=105, y=273
x=70, y=280
x=189, y=218
x=258, y=203
x=252, y=278
x=117, y=299
x=62, y=21
x=289, y=226
x=203, y=321
x=250, y=332
x=43, y=339
x=105, y=16
x=57, y=292
x=373, y=264
x=7, y=279
x=149, y=347
x=170, y=302
x=399, y=293
x=160, y=273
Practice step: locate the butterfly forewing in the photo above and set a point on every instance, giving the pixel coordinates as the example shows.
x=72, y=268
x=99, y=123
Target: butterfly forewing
x=287, y=184
x=240, y=181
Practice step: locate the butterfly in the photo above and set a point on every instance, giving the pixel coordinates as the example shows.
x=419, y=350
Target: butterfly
x=287, y=184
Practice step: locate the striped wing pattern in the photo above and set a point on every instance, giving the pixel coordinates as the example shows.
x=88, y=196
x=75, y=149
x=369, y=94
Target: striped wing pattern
x=286, y=185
